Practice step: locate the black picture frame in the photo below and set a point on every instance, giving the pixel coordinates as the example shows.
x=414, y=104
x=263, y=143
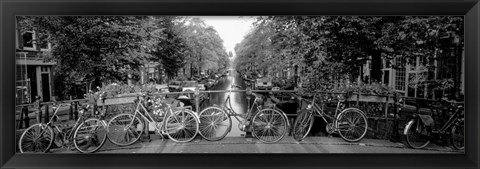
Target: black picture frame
x=9, y=8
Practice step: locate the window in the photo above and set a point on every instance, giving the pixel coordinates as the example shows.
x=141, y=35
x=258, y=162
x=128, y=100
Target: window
x=446, y=64
x=28, y=38
x=35, y=41
x=400, y=74
x=386, y=77
x=412, y=84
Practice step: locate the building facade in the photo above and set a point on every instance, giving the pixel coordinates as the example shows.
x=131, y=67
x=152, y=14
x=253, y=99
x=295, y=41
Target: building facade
x=152, y=71
x=33, y=75
x=424, y=77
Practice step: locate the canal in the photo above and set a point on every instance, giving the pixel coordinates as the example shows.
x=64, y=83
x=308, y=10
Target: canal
x=238, y=99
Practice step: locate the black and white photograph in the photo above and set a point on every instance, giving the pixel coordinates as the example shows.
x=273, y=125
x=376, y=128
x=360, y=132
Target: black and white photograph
x=348, y=84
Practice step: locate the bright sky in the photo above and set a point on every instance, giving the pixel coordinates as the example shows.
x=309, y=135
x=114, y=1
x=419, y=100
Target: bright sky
x=230, y=28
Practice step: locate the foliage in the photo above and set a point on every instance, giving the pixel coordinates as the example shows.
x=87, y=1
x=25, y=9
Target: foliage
x=256, y=52
x=331, y=49
x=171, y=51
x=103, y=49
x=113, y=90
x=205, y=50
x=369, y=89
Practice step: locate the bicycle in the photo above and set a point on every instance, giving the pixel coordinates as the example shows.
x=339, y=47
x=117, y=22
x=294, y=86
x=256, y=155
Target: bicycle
x=87, y=131
x=267, y=124
x=180, y=126
x=40, y=137
x=350, y=123
x=421, y=129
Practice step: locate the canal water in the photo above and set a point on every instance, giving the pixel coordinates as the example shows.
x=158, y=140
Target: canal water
x=238, y=99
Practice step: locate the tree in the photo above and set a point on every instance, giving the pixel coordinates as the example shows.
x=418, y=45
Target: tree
x=172, y=50
x=333, y=48
x=205, y=47
x=96, y=48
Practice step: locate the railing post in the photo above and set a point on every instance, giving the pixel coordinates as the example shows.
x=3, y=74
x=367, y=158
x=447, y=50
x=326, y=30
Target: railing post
x=20, y=119
x=47, y=116
x=146, y=135
x=70, y=113
x=24, y=118
x=249, y=94
x=386, y=106
x=75, y=112
x=395, y=135
x=358, y=100
x=197, y=100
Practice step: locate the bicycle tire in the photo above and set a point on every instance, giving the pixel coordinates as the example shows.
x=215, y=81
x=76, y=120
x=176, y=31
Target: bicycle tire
x=415, y=139
x=458, y=135
x=115, y=135
x=351, y=117
x=215, y=123
x=269, y=125
x=86, y=135
x=182, y=126
x=302, y=126
x=30, y=133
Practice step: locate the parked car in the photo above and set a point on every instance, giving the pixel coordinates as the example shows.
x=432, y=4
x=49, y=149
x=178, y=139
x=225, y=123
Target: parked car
x=174, y=86
x=210, y=83
x=188, y=85
x=162, y=88
x=263, y=84
x=201, y=87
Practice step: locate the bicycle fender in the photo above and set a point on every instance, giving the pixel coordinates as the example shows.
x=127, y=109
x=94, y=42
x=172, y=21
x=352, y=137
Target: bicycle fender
x=407, y=126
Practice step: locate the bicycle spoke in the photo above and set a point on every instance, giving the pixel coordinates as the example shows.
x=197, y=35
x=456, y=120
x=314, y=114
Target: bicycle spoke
x=348, y=119
x=191, y=119
x=358, y=119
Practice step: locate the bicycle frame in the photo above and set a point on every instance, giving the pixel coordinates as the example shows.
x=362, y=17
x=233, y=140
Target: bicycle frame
x=68, y=135
x=64, y=135
x=231, y=112
x=149, y=118
x=318, y=111
x=453, y=118
x=451, y=121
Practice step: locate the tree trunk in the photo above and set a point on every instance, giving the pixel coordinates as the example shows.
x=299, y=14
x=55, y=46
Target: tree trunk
x=199, y=65
x=191, y=69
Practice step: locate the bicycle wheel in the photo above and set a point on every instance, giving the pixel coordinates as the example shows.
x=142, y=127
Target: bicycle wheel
x=90, y=135
x=182, y=126
x=352, y=125
x=269, y=125
x=415, y=138
x=303, y=124
x=458, y=137
x=124, y=129
x=214, y=123
x=37, y=138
